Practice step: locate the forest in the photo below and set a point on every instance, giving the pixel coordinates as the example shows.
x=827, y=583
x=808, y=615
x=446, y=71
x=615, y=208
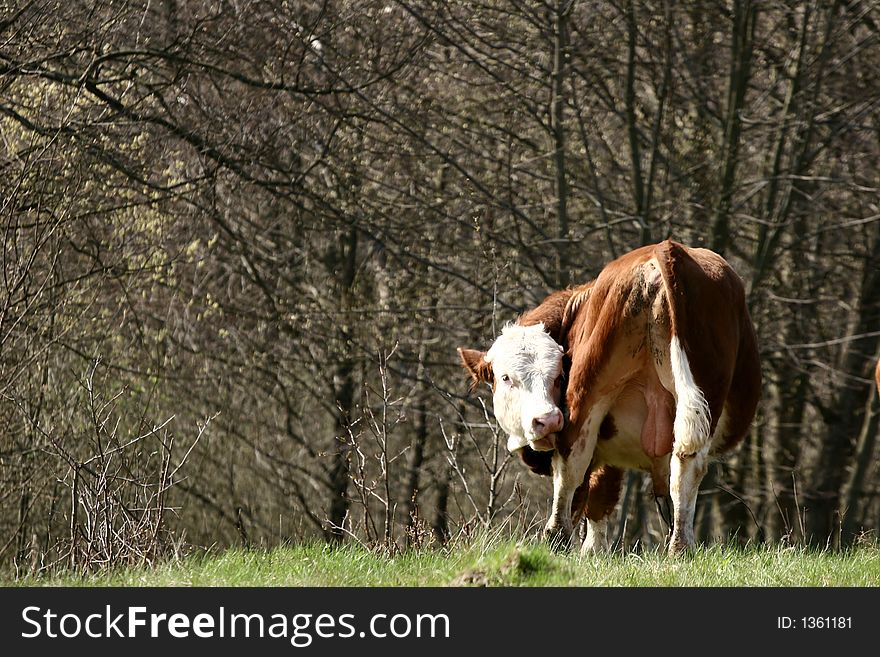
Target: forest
x=243, y=239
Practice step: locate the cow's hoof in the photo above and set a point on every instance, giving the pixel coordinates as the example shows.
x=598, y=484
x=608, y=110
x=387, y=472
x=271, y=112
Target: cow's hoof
x=679, y=547
x=557, y=538
x=595, y=542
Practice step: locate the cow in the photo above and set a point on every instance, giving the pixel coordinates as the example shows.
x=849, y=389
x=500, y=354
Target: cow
x=653, y=366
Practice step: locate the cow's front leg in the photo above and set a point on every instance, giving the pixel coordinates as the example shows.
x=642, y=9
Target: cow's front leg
x=568, y=475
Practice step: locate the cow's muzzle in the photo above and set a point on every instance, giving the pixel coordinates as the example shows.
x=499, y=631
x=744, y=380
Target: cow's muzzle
x=544, y=444
x=548, y=423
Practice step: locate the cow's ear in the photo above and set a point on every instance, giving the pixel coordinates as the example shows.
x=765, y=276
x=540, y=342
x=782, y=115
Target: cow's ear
x=474, y=361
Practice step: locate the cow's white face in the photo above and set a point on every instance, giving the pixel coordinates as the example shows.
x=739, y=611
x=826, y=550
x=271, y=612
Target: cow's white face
x=527, y=370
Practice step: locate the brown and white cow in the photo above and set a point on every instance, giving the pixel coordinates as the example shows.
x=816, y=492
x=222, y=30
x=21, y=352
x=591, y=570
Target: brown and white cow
x=662, y=374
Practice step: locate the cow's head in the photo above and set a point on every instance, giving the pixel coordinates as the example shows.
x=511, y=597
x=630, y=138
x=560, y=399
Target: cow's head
x=524, y=366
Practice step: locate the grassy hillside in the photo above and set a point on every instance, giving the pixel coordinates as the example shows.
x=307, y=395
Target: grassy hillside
x=498, y=563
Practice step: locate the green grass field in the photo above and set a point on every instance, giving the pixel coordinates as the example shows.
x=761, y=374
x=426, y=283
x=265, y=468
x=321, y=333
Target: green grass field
x=497, y=563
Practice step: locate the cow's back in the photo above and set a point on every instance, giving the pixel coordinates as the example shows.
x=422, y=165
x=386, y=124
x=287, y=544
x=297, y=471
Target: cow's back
x=621, y=336
x=710, y=316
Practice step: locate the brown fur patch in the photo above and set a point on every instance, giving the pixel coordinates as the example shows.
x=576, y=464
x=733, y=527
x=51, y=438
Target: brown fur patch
x=549, y=313
x=605, y=484
x=556, y=311
x=590, y=337
x=597, y=496
x=578, y=298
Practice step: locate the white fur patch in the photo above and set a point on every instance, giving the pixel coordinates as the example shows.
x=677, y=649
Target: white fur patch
x=597, y=539
x=526, y=362
x=525, y=344
x=692, y=421
x=516, y=442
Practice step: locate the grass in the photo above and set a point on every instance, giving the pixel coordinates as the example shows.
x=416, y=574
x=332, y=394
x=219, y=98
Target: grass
x=495, y=562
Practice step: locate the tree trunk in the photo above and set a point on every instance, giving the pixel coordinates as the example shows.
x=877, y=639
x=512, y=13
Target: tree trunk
x=744, y=19
x=441, y=518
x=785, y=412
x=845, y=415
x=560, y=45
x=853, y=513
x=344, y=386
x=414, y=466
x=632, y=127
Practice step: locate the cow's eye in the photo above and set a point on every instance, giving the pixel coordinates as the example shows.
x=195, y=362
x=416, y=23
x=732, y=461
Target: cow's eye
x=505, y=378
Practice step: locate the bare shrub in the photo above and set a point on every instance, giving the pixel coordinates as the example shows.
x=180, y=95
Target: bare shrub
x=114, y=481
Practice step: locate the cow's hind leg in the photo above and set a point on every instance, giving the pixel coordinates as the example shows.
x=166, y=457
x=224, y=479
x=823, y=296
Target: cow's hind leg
x=687, y=473
x=605, y=483
x=690, y=449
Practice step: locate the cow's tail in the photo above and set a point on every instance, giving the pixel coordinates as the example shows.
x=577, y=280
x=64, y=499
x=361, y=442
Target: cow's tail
x=691, y=429
x=692, y=418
